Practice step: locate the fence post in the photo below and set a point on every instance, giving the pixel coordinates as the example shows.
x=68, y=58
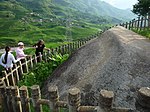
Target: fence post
x=133, y=23
x=35, y=59
x=40, y=57
x=49, y=52
x=26, y=64
x=79, y=43
x=45, y=56
x=53, y=98
x=66, y=48
x=73, y=46
x=20, y=69
x=144, y=97
x=59, y=49
x=3, y=96
x=36, y=95
x=123, y=24
x=82, y=42
x=130, y=25
x=6, y=78
x=126, y=25
x=31, y=62
x=55, y=50
x=24, y=99
x=23, y=65
x=74, y=99
x=9, y=99
x=138, y=22
x=17, y=75
x=148, y=17
x=12, y=77
x=63, y=51
x=106, y=99
x=141, y=24
x=70, y=48
x=52, y=51
x=15, y=103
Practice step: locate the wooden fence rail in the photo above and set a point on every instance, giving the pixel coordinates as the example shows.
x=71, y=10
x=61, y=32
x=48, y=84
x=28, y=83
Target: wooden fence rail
x=18, y=100
x=13, y=77
x=140, y=23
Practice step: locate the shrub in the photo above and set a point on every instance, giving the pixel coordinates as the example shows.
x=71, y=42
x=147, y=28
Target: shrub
x=42, y=70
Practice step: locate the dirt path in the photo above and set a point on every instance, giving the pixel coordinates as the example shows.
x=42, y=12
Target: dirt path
x=119, y=61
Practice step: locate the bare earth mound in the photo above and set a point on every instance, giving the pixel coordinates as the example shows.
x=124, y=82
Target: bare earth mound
x=119, y=60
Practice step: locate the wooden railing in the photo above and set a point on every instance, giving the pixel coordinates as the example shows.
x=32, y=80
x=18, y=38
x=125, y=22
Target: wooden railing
x=138, y=24
x=13, y=77
x=18, y=100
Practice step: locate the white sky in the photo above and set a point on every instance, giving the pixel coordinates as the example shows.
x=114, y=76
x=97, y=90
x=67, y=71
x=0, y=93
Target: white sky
x=122, y=4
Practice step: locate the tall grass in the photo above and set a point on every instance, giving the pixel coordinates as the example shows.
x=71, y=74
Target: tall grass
x=145, y=32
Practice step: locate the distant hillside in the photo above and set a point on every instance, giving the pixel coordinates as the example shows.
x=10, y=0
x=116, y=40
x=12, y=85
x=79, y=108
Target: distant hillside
x=96, y=8
x=29, y=20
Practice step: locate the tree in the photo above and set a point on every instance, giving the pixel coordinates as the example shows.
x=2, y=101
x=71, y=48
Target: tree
x=142, y=7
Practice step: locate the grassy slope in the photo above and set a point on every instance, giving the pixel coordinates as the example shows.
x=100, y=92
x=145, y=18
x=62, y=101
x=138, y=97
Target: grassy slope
x=145, y=33
x=14, y=28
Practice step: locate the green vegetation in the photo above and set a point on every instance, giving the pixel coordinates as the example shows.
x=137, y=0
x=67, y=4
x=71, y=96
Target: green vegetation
x=42, y=71
x=31, y=20
x=142, y=7
x=145, y=32
x=21, y=21
x=45, y=108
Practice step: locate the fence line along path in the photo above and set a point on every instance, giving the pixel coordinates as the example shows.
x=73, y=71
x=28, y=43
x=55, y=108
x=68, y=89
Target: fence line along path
x=18, y=100
x=12, y=78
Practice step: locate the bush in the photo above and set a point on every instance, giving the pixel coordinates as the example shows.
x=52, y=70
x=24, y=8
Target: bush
x=42, y=70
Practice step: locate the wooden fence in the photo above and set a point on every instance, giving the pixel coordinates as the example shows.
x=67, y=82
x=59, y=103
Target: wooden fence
x=12, y=78
x=138, y=24
x=18, y=100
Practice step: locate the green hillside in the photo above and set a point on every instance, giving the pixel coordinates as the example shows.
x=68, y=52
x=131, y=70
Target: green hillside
x=51, y=20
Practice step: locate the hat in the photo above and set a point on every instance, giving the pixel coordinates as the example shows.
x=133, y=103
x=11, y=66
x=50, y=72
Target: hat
x=20, y=43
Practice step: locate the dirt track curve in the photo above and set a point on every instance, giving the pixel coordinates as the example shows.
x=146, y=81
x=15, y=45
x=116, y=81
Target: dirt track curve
x=119, y=60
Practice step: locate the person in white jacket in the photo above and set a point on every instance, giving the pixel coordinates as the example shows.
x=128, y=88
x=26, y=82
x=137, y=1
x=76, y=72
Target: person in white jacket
x=7, y=59
x=19, y=51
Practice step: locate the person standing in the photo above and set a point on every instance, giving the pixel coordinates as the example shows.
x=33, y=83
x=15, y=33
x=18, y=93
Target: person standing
x=19, y=51
x=7, y=59
x=40, y=47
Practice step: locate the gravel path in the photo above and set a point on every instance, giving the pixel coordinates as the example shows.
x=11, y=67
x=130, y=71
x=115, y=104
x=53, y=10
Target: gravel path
x=119, y=61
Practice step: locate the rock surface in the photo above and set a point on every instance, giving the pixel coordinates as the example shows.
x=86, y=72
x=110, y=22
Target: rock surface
x=119, y=61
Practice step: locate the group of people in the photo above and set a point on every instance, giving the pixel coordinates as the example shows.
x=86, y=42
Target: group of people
x=7, y=59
